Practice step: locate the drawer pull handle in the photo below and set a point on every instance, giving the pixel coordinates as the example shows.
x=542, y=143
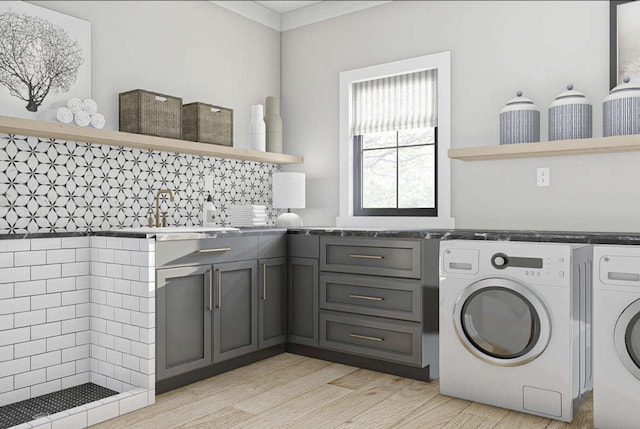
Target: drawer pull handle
x=264, y=282
x=221, y=249
x=210, y=290
x=355, y=256
x=366, y=337
x=219, y=288
x=368, y=298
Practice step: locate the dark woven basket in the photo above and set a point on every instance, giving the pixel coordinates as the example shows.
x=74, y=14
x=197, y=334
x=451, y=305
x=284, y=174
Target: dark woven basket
x=150, y=113
x=206, y=123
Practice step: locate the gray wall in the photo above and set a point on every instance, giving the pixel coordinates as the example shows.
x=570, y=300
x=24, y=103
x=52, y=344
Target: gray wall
x=189, y=49
x=497, y=48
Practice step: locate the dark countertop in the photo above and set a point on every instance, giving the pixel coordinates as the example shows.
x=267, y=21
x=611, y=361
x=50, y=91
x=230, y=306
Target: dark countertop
x=624, y=238
x=477, y=234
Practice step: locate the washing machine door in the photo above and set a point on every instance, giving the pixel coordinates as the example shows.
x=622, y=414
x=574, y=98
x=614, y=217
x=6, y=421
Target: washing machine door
x=627, y=338
x=502, y=322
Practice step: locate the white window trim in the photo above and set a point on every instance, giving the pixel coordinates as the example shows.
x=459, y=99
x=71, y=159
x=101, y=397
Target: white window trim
x=441, y=61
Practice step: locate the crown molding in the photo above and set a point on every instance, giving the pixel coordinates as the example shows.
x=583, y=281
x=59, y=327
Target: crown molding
x=323, y=11
x=296, y=18
x=253, y=11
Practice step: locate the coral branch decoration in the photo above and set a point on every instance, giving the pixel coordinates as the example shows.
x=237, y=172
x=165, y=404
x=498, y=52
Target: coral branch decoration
x=45, y=58
x=36, y=57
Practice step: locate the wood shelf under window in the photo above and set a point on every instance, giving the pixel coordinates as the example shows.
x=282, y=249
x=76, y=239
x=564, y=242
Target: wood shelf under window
x=552, y=148
x=55, y=130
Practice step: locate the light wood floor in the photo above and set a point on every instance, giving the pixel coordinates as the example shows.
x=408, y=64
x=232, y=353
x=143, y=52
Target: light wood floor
x=290, y=391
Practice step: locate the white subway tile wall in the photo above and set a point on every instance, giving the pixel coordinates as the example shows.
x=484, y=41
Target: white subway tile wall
x=77, y=310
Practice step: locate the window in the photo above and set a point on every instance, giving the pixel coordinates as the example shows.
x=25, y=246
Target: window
x=395, y=132
x=395, y=173
x=393, y=126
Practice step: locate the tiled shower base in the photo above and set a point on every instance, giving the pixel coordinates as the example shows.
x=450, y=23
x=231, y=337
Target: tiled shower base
x=75, y=407
x=52, y=403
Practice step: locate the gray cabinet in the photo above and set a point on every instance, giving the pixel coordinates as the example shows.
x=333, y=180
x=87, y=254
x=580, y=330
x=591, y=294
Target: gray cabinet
x=235, y=312
x=183, y=320
x=302, y=290
x=272, y=328
x=303, y=301
x=378, y=299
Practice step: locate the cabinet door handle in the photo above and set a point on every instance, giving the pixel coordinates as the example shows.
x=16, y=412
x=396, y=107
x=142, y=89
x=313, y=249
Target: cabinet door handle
x=368, y=298
x=219, y=288
x=210, y=290
x=356, y=256
x=264, y=282
x=221, y=249
x=366, y=337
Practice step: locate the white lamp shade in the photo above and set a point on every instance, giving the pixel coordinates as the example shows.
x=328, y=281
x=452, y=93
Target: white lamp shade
x=288, y=190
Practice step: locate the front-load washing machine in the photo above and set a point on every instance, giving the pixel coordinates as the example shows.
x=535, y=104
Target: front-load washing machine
x=616, y=337
x=515, y=324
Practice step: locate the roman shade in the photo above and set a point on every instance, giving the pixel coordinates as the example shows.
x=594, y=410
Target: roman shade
x=395, y=102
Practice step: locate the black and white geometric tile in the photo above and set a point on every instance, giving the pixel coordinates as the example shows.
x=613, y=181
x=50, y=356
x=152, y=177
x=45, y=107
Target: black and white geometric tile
x=55, y=186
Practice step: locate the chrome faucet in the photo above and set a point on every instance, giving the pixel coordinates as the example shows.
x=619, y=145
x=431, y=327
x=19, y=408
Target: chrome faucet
x=160, y=192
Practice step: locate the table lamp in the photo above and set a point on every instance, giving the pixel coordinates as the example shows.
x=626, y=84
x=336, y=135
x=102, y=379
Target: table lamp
x=288, y=193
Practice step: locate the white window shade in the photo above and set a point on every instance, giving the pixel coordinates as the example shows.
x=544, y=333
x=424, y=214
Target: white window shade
x=288, y=190
x=396, y=103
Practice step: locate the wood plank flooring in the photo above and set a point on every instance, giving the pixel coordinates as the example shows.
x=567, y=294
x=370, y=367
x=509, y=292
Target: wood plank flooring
x=291, y=391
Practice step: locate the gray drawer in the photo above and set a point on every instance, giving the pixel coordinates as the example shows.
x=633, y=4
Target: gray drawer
x=272, y=245
x=385, y=339
x=376, y=256
x=374, y=296
x=206, y=251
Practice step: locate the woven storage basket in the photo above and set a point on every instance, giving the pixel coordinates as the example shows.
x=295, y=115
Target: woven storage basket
x=207, y=124
x=150, y=113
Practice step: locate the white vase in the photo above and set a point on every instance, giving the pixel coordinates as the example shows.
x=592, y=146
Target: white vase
x=274, y=125
x=257, y=129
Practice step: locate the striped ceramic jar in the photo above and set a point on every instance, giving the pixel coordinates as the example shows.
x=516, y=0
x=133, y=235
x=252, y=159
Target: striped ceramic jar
x=621, y=110
x=519, y=121
x=570, y=116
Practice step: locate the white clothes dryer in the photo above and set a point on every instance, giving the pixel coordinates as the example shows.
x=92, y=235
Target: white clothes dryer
x=515, y=324
x=616, y=330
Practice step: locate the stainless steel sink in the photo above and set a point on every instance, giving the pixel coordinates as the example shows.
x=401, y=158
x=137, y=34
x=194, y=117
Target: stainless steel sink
x=177, y=229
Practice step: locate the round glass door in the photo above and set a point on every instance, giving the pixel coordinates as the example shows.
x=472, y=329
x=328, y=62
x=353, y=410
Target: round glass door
x=502, y=322
x=627, y=338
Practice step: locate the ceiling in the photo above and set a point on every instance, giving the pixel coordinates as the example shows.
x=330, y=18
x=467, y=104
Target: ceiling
x=287, y=15
x=285, y=6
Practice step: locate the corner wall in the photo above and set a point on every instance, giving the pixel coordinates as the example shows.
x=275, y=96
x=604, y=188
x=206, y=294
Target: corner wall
x=497, y=48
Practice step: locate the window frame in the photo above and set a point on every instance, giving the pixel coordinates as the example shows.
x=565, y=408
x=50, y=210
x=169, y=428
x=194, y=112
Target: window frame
x=347, y=213
x=358, y=159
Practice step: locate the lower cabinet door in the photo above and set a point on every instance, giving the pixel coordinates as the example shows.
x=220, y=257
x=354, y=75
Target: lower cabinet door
x=183, y=298
x=302, y=296
x=272, y=287
x=235, y=313
x=375, y=337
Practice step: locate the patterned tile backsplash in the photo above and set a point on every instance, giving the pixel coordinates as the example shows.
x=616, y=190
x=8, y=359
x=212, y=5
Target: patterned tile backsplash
x=54, y=185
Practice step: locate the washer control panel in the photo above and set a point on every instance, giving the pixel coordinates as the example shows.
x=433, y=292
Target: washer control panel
x=530, y=267
x=536, y=263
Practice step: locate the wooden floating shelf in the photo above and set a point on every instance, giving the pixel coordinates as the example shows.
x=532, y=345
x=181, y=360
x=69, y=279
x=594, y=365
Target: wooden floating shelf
x=55, y=130
x=553, y=148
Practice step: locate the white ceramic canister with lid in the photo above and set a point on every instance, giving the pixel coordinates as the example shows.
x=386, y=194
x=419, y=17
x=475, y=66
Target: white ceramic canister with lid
x=621, y=110
x=570, y=116
x=519, y=121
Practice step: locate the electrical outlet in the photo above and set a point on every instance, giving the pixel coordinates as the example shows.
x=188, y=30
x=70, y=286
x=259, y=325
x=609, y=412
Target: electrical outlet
x=543, y=177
